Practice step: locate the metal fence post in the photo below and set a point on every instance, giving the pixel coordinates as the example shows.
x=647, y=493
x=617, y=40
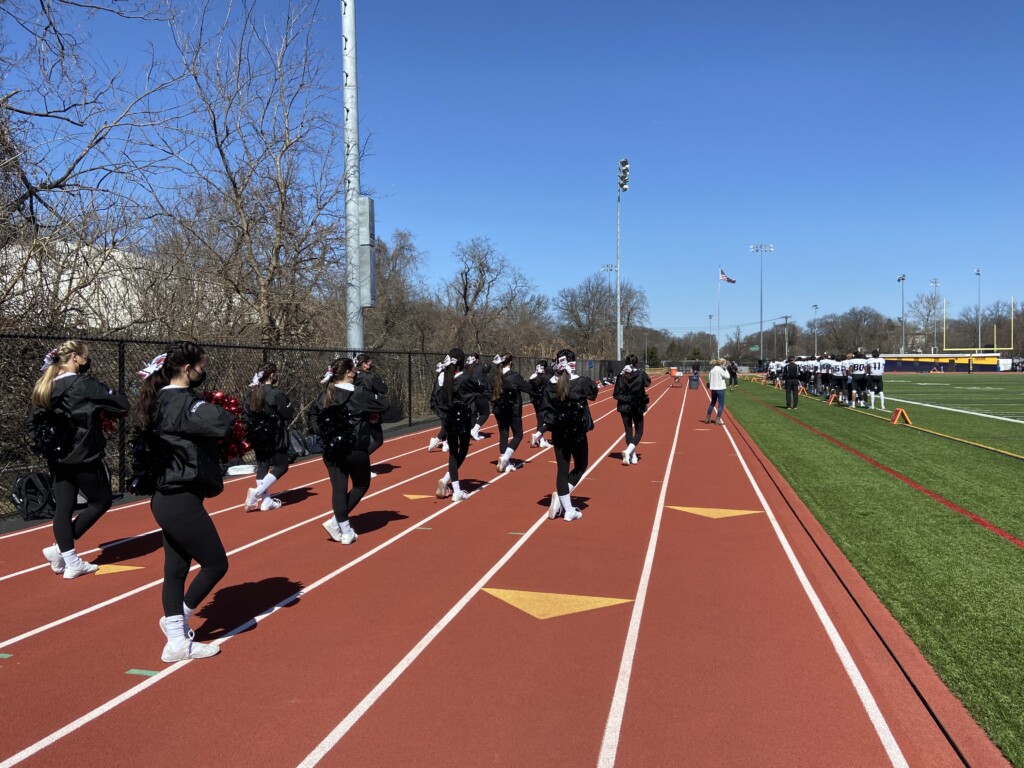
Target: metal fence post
x=408, y=389
x=122, y=424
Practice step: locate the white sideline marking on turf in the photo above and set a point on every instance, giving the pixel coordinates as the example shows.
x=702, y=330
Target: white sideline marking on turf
x=613, y=726
x=867, y=700
x=958, y=410
x=85, y=719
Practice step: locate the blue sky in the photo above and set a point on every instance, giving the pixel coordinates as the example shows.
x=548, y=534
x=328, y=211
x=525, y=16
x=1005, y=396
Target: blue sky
x=862, y=140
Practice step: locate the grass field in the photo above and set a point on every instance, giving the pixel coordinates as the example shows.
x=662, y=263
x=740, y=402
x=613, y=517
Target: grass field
x=957, y=587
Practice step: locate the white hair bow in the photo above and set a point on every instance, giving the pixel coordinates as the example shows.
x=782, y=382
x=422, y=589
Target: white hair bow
x=470, y=359
x=256, y=378
x=327, y=376
x=564, y=364
x=449, y=361
x=155, y=365
x=498, y=359
x=49, y=359
x=440, y=367
x=628, y=369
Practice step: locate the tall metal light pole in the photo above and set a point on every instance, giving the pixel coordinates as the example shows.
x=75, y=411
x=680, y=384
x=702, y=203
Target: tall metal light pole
x=711, y=335
x=353, y=271
x=815, y=308
x=935, y=317
x=623, y=186
x=977, y=272
x=761, y=248
x=608, y=268
x=901, y=279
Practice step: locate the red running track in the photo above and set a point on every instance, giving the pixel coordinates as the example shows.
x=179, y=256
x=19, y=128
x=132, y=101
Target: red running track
x=744, y=639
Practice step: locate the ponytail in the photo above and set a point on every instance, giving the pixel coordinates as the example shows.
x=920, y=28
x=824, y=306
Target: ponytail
x=453, y=363
x=177, y=357
x=262, y=377
x=337, y=371
x=500, y=361
x=565, y=364
x=42, y=392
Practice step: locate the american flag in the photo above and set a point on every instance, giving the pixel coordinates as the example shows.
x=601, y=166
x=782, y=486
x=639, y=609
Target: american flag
x=723, y=276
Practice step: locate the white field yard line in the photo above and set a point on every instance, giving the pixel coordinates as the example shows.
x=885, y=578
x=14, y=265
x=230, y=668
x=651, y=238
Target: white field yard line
x=269, y=537
x=867, y=700
x=613, y=726
x=94, y=714
x=957, y=410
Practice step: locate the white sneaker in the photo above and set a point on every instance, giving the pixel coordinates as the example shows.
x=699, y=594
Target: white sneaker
x=544, y=443
x=81, y=568
x=534, y=440
x=502, y=464
x=625, y=458
x=512, y=467
x=475, y=432
x=334, y=530
x=443, y=489
x=373, y=474
x=190, y=649
x=633, y=459
x=52, y=554
x=573, y=514
x=270, y=503
x=555, y=507
x=460, y=496
x=349, y=537
x=435, y=442
x=444, y=446
x=251, y=501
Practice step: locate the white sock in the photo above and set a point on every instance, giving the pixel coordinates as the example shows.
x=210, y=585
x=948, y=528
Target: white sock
x=447, y=478
x=264, y=485
x=508, y=454
x=881, y=395
x=455, y=487
x=629, y=449
x=71, y=558
x=872, y=396
x=345, y=526
x=566, y=502
x=187, y=612
x=571, y=487
x=175, y=628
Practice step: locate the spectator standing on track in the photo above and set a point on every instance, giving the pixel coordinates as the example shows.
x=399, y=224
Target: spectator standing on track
x=717, y=377
x=459, y=391
x=188, y=428
x=566, y=414
x=876, y=369
x=341, y=415
x=269, y=413
x=507, y=405
x=67, y=416
x=791, y=381
x=368, y=380
x=631, y=395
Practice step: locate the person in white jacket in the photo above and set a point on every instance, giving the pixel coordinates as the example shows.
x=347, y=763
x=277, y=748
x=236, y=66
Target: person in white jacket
x=718, y=378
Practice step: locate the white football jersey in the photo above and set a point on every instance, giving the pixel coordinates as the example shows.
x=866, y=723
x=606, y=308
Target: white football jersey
x=876, y=366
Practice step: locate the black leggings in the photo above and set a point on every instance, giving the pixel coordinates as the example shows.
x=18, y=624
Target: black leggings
x=189, y=534
x=483, y=411
x=273, y=463
x=516, y=427
x=458, y=448
x=354, y=466
x=376, y=437
x=633, y=423
x=94, y=483
x=579, y=453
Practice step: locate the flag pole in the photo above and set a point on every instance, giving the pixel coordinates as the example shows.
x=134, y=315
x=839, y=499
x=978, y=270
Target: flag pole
x=718, y=334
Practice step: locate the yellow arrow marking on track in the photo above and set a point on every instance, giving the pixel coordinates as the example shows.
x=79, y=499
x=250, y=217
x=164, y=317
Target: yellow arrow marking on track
x=549, y=605
x=105, y=569
x=416, y=497
x=717, y=514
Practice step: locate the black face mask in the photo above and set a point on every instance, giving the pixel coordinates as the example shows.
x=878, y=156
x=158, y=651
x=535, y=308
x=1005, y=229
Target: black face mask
x=198, y=382
x=84, y=367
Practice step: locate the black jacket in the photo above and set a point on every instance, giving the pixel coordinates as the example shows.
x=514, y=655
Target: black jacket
x=360, y=403
x=513, y=386
x=190, y=429
x=466, y=390
x=631, y=392
x=581, y=389
x=276, y=402
x=85, y=400
x=371, y=381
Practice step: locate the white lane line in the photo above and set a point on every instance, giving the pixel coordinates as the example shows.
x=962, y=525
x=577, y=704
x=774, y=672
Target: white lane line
x=885, y=735
x=956, y=410
x=87, y=718
x=613, y=726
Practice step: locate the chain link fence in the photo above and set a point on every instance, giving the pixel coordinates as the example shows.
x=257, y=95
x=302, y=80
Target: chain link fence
x=115, y=362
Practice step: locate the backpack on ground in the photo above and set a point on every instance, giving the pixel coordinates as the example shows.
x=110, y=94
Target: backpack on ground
x=32, y=495
x=296, y=445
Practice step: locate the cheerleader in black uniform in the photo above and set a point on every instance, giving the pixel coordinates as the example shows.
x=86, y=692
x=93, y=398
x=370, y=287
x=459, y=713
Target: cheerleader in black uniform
x=367, y=379
x=68, y=407
x=270, y=439
x=507, y=405
x=188, y=430
x=459, y=391
x=481, y=371
x=440, y=440
x=341, y=416
x=566, y=414
x=631, y=394
x=538, y=383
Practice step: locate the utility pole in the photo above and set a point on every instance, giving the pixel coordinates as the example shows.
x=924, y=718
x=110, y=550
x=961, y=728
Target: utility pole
x=785, y=336
x=350, y=98
x=623, y=186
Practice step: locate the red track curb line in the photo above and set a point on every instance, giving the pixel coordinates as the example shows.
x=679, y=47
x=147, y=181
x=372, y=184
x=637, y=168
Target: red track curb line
x=970, y=739
x=912, y=483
